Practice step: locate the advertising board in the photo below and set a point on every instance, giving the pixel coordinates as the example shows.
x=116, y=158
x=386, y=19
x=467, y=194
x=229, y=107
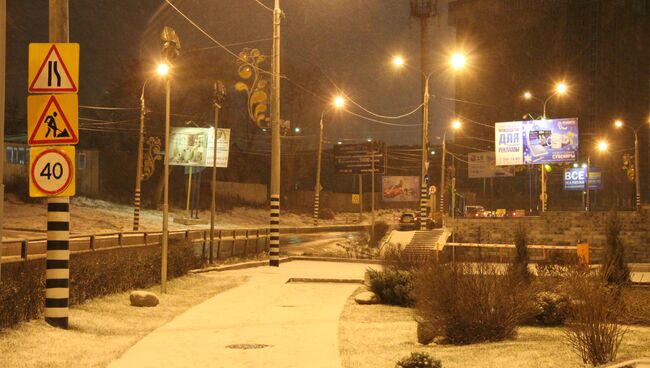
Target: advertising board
x=358, y=158
x=483, y=165
x=195, y=147
x=544, y=141
x=576, y=179
x=400, y=188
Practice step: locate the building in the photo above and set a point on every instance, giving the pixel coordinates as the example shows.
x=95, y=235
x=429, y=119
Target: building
x=600, y=48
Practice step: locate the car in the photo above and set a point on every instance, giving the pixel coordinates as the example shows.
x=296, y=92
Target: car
x=474, y=211
x=411, y=221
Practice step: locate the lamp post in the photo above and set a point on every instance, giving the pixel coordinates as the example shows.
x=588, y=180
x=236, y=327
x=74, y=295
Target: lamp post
x=218, y=98
x=274, y=223
x=560, y=89
x=170, y=50
x=457, y=61
x=162, y=71
x=338, y=103
x=637, y=171
x=601, y=147
x=455, y=125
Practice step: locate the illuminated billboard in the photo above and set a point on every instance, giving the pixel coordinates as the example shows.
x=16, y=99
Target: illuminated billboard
x=195, y=147
x=483, y=165
x=576, y=179
x=400, y=189
x=535, y=142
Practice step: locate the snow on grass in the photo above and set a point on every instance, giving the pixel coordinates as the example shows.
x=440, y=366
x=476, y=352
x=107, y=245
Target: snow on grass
x=375, y=336
x=104, y=328
x=95, y=216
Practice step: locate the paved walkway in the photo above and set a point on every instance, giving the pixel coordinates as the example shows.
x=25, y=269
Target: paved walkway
x=298, y=322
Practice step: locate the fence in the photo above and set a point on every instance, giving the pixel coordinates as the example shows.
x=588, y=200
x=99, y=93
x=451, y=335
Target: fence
x=227, y=243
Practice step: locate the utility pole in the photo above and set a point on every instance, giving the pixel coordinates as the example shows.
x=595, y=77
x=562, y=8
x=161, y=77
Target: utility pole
x=217, y=100
x=274, y=238
x=360, y=198
x=3, y=54
x=425, y=10
x=372, y=192
x=318, y=166
x=138, y=171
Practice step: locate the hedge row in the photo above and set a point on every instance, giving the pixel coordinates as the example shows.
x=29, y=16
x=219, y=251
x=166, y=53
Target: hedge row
x=92, y=274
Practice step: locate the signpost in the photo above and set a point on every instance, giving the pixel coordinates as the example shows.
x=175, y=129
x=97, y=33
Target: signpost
x=52, y=123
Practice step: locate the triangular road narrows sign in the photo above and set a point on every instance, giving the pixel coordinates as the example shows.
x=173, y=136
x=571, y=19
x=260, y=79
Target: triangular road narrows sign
x=53, y=125
x=53, y=75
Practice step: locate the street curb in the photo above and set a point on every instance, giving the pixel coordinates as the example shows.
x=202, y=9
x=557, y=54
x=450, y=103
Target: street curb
x=324, y=228
x=244, y=265
x=238, y=266
x=319, y=280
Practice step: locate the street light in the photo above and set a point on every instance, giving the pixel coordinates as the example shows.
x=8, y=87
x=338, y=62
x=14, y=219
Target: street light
x=456, y=124
x=601, y=147
x=561, y=88
x=456, y=61
x=637, y=180
x=338, y=103
x=170, y=50
x=162, y=70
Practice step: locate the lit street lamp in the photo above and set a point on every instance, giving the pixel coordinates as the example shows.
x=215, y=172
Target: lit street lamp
x=455, y=126
x=338, y=103
x=161, y=70
x=637, y=171
x=601, y=147
x=560, y=89
x=457, y=61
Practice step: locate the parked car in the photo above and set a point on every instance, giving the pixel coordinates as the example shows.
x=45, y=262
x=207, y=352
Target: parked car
x=411, y=221
x=474, y=211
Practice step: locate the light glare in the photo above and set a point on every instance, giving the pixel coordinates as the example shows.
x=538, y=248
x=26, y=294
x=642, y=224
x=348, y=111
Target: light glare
x=163, y=69
x=456, y=124
x=458, y=60
x=528, y=95
x=398, y=61
x=339, y=101
x=561, y=88
x=618, y=123
x=602, y=146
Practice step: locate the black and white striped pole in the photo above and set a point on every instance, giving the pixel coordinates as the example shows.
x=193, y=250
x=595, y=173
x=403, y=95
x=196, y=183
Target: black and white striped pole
x=274, y=225
x=318, y=167
x=57, y=273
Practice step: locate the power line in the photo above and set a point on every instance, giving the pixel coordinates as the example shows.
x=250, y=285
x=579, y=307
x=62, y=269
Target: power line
x=264, y=6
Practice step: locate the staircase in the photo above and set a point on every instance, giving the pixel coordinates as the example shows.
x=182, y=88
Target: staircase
x=424, y=243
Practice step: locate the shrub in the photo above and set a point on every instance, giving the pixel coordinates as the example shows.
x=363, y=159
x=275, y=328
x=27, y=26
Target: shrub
x=520, y=264
x=418, y=360
x=326, y=214
x=381, y=228
x=393, y=286
x=551, y=309
x=471, y=303
x=614, y=269
x=557, y=263
x=594, y=332
x=399, y=260
x=92, y=274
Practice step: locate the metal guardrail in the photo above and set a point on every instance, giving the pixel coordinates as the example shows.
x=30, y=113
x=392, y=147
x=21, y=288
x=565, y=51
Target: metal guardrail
x=227, y=242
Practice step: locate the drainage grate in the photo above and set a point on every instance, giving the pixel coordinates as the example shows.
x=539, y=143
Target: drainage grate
x=248, y=346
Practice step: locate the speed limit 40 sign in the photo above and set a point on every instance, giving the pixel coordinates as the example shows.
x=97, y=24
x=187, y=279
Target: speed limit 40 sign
x=51, y=171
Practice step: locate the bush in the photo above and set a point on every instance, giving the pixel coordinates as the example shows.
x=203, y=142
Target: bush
x=471, y=303
x=326, y=214
x=557, y=263
x=398, y=260
x=418, y=360
x=394, y=287
x=551, y=309
x=381, y=228
x=614, y=269
x=594, y=332
x=92, y=274
x=520, y=264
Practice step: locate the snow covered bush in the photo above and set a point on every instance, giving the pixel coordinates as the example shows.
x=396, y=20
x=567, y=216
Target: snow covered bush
x=393, y=286
x=551, y=309
x=418, y=360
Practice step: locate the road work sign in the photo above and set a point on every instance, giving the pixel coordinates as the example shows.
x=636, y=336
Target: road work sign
x=51, y=171
x=53, y=68
x=52, y=119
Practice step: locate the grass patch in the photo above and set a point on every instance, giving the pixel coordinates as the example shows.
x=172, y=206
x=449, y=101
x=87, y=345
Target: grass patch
x=376, y=336
x=102, y=329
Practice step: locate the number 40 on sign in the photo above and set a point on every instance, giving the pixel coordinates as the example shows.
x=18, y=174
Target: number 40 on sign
x=52, y=171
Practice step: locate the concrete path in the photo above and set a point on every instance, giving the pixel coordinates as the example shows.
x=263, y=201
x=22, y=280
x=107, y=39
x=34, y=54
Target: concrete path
x=298, y=322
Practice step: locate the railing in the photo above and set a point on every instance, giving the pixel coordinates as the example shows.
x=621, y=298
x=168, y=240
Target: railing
x=227, y=242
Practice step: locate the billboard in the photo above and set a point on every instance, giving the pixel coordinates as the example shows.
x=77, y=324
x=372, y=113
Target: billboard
x=400, y=188
x=195, y=147
x=358, y=158
x=483, y=165
x=576, y=179
x=529, y=142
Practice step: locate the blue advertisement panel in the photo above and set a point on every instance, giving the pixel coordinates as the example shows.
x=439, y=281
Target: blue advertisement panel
x=536, y=142
x=550, y=141
x=576, y=179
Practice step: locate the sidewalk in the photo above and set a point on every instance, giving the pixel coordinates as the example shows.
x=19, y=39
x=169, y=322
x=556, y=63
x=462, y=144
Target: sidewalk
x=266, y=322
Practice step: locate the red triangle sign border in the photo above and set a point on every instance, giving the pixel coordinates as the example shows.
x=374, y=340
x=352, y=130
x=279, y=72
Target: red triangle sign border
x=65, y=69
x=73, y=136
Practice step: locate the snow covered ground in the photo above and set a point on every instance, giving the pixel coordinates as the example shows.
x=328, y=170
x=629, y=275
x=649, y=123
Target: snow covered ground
x=96, y=216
